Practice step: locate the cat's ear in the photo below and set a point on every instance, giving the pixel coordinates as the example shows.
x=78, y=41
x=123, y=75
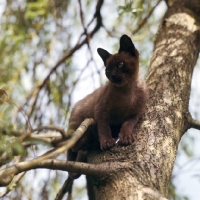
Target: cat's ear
x=127, y=45
x=103, y=54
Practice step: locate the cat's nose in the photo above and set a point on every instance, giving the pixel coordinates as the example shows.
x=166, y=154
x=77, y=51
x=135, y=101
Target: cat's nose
x=113, y=76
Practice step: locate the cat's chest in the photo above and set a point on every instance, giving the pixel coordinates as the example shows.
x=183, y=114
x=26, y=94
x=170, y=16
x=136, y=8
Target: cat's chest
x=120, y=108
x=114, y=106
x=121, y=102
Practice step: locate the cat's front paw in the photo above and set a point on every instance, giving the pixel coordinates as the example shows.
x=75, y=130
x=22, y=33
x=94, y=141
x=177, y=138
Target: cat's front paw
x=107, y=143
x=126, y=138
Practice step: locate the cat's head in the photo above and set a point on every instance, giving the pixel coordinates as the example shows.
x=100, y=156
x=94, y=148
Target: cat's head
x=122, y=67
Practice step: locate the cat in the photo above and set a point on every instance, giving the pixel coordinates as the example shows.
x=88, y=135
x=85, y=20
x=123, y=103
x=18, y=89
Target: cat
x=116, y=106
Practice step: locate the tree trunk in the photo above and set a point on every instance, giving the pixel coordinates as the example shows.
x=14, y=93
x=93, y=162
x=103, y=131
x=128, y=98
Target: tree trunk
x=151, y=157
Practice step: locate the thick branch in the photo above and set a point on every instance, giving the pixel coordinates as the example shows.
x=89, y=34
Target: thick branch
x=6, y=175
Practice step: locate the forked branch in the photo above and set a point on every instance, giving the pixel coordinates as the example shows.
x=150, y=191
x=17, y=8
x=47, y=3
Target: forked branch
x=7, y=174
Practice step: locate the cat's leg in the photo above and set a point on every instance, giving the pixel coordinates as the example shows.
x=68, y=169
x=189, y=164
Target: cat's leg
x=79, y=156
x=71, y=156
x=105, y=136
x=126, y=135
x=74, y=122
x=86, y=141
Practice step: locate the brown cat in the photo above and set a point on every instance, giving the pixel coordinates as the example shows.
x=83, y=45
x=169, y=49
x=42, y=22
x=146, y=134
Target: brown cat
x=115, y=106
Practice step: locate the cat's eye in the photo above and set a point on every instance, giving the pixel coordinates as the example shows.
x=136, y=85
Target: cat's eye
x=119, y=65
x=107, y=71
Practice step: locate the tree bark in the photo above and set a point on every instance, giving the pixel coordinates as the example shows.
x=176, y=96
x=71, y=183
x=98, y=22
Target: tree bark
x=165, y=120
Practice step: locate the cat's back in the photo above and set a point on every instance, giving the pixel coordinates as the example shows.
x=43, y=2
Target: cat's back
x=86, y=105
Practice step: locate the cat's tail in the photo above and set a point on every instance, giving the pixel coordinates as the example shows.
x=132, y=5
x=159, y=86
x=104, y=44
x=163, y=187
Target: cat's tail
x=79, y=156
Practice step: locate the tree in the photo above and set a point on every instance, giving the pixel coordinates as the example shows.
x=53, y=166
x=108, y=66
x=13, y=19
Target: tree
x=138, y=171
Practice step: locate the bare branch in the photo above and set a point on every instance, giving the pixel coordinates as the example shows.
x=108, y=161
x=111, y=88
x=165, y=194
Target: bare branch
x=52, y=128
x=6, y=175
x=50, y=139
x=47, y=135
x=81, y=16
x=12, y=184
x=143, y=21
x=17, y=133
x=193, y=123
x=74, y=85
x=67, y=186
x=184, y=168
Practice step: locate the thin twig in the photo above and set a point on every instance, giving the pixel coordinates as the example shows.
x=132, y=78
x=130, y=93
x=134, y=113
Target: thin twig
x=36, y=91
x=73, y=88
x=12, y=184
x=90, y=188
x=184, y=168
x=67, y=186
x=143, y=21
x=50, y=127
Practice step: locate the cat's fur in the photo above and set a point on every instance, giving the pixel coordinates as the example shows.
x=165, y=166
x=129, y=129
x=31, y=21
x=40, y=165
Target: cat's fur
x=114, y=106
